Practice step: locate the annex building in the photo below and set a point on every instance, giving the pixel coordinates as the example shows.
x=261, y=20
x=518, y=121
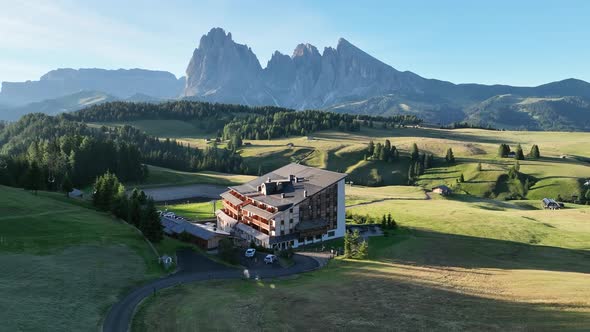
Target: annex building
x=291, y=206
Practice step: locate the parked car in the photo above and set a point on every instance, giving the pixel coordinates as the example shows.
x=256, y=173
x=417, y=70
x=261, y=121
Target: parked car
x=250, y=252
x=269, y=259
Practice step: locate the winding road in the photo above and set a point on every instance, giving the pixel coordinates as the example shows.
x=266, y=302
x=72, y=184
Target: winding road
x=196, y=267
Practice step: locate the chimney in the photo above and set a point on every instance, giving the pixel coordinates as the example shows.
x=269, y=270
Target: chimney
x=305, y=193
x=283, y=195
x=267, y=179
x=259, y=188
x=292, y=178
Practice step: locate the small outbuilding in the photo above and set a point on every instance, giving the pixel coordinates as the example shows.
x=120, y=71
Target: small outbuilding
x=207, y=237
x=442, y=190
x=551, y=204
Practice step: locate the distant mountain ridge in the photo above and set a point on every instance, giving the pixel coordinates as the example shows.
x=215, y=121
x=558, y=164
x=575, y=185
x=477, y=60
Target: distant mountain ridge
x=120, y=83
x=346, y=79
x=343, y=79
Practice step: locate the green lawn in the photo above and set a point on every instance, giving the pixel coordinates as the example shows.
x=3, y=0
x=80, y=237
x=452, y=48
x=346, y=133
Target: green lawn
x=194, y=211
x=65, y=264
x=460, y=265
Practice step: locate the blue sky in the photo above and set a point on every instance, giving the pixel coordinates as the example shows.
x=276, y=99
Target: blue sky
x=509, y=42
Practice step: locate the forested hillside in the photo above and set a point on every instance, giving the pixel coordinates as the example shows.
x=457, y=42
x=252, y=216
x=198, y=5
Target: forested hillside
x=45, y=152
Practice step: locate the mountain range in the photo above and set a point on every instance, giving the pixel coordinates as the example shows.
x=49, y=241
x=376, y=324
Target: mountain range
x=340, y=79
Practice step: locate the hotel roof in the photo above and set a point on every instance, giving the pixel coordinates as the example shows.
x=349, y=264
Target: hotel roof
x=308, y=180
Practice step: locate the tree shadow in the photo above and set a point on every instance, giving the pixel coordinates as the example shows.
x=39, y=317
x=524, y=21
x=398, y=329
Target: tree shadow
x=428, y=248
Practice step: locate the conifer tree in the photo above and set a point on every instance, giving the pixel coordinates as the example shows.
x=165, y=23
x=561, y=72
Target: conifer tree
x=150, y=223
x=414, y=152
x=519, y=154
x=371, y=148
x=450, y=157
x=535, y=153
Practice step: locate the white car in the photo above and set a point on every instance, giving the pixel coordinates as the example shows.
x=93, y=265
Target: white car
x=269, y=259
x=250, y=252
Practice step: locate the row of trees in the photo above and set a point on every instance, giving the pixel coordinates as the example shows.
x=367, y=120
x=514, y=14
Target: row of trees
x=504, y=151
x=419, y=163
x=288, y=123
x=137, y=209
x=382, y=152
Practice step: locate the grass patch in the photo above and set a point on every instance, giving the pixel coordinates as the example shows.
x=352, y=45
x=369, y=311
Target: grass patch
x=64, y=264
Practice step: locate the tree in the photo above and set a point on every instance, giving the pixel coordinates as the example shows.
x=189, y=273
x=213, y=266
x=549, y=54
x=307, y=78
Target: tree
x=519, y=154
x=461, y=178
x=383, y=154
x=34, y=180
x=134, y=210
x=150, y=223
x=371, y=148
x=66, y=185
x=503, y=150
x=383, y=222
x=478, y=168
x=414, y=152
x=347, y=245
x=588, y=196
x=535, y=153
x=517, y=166
x=106, y=189
x=450, y=157
x=362, y=251
x=227, y=251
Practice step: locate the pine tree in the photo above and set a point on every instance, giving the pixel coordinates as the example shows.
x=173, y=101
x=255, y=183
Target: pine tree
x=517, y=166
x=347, y=245
x=383, y=222
x=150, y=223
x=503, y=150
x=478, y=168
x=519, y=154
x=535, y=153
x=34, y=180
x=371, y=148
x=414, y=152
x=450, y=157
x=362, y=250
x=383, y=155
x=66, y=185
x=461, y=178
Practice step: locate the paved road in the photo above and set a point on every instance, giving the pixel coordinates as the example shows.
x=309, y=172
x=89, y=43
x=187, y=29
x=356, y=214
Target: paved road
x=184, y=192
x=195, y=267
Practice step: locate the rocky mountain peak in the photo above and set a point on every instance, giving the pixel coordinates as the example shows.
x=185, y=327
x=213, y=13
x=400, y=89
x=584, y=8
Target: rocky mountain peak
x=305, y=50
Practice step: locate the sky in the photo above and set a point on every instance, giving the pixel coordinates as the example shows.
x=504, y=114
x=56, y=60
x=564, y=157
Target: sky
x=520, y=43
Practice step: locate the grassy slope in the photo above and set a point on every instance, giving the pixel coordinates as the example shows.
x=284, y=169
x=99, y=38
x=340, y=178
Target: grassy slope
x=68, y=263
x=344, y=152
x=163, y=177
x=480, y=265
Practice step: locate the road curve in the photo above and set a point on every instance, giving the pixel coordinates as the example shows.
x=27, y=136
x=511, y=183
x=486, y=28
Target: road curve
x=191, y=269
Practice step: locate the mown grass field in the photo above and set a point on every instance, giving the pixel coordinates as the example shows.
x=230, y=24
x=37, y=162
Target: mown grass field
x=64, y=264
x=193, y=211
x=455, y=265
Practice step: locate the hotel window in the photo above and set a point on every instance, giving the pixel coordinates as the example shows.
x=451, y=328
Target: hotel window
x=282, y=232
x=291, y=221
x=282, y=222
x=291, y=210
